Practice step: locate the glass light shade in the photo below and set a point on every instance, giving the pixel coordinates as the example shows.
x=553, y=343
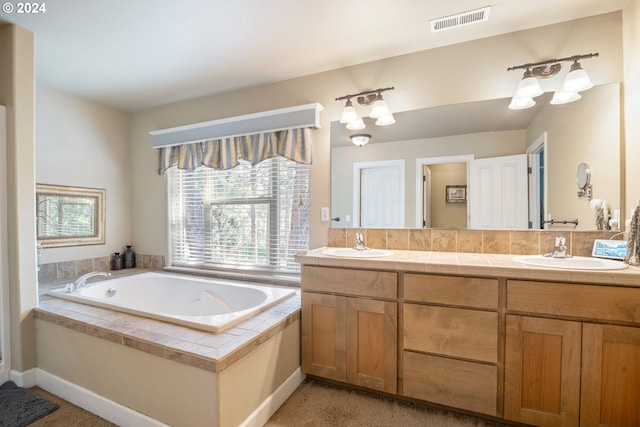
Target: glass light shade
x=360, y=139
x=385, y=120
x=349, y=114
x=529, y=87
x=379, y=108
x=577, y=80
x=356, y=124
x=521, y=103
x=565, y=97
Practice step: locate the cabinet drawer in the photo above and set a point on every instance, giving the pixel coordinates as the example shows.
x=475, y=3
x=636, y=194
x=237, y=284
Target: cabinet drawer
x=456, y=383
x=464, y=291
x=583, y=301
x=379, y=284
x=469, y=334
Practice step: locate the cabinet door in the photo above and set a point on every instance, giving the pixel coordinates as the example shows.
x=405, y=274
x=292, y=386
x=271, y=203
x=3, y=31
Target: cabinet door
x=542, y=371
x=610, y=376
x=372, y=344
x=324, y=341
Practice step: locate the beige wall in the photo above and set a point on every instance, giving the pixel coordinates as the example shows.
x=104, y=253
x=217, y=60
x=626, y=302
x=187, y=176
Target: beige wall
x=17, y=94
x=429, y=78
x=85, y=144
x=443, y=214
x=631, y=40
x=587, y=131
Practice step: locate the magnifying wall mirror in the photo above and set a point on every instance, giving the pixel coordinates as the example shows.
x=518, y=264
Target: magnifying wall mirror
x=583, y=176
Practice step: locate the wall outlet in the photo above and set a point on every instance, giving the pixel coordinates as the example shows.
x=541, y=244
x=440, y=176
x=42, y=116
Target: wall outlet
x=324, y=214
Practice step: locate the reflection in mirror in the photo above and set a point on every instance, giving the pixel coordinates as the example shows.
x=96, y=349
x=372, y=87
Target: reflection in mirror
x=554, y=138
x=69, y=216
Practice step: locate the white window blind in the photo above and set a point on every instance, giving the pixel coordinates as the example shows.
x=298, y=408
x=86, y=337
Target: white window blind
x=249, y=217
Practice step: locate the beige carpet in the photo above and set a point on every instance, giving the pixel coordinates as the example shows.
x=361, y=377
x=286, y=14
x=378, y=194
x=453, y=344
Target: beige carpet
x=318, y=404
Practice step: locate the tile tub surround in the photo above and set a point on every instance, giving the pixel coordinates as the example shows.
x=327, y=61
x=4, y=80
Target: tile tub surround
x=522, y=242
x=173, y=374
x=203, y=350
x=71, y=269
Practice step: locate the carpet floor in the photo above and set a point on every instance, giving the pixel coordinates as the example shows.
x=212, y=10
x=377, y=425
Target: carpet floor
x=314, y=403
x=318, y=404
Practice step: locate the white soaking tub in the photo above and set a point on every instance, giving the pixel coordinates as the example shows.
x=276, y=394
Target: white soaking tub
x=211, y=305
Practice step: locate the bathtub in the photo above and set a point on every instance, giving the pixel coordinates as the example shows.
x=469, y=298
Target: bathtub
x=212, y=305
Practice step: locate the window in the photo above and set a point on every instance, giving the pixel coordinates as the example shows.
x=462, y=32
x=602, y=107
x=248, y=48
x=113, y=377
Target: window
x=251, y=217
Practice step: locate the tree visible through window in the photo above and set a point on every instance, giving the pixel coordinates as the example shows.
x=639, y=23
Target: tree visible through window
x=248, y=217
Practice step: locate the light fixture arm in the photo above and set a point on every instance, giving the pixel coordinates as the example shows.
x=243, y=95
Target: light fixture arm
x=549, y=67
x=365, y=97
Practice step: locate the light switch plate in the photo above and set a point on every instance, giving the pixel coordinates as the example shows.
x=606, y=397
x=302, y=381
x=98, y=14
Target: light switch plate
x=324, y=214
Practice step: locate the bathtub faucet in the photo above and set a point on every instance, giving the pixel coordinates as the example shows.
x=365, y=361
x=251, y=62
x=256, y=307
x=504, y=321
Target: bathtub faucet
x=81, y=281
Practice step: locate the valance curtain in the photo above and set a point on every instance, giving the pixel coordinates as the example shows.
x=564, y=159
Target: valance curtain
x=226, y=153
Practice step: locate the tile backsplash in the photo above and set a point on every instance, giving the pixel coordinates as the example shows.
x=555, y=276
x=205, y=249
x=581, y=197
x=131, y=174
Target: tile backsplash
x=72, y=269
x=524, y=242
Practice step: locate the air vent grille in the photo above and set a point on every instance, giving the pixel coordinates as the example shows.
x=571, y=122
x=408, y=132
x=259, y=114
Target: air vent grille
x=460, y=19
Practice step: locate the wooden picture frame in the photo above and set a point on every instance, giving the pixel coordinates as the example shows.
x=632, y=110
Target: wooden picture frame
x=456, y=193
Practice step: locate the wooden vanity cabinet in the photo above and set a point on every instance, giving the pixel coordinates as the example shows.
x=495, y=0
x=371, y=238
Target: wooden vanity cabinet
x=450, y=341
x=563, y=372
x=349, y=326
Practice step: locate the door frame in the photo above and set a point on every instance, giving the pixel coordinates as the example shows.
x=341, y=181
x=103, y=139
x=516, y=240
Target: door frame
x=5, y=350
x=423, y=161
x=358, y=167
x=540, y=144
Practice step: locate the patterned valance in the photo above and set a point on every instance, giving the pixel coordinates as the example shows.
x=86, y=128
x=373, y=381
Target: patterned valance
x=226, y=153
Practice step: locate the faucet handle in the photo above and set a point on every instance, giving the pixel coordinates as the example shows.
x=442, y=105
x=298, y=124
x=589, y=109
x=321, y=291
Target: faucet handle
x=561, y=241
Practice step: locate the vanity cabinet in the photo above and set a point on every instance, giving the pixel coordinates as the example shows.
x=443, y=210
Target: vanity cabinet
x=349, y=326
x=572, y=354
x=450, y=341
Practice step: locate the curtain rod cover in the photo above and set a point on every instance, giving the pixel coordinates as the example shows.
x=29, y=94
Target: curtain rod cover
x=307, y=115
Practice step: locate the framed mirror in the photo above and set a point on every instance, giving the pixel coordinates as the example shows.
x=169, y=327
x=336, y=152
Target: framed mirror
x=459, y=135
x=69, y=216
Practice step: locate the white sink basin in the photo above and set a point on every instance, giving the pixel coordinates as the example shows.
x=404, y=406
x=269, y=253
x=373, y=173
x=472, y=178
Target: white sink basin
x=576, y=262
x=352, y=253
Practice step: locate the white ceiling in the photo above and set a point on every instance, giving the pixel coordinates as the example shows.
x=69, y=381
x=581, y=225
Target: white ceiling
x=134, y=54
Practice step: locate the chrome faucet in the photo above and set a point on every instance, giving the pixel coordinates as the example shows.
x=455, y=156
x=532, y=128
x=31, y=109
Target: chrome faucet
x=360, y=246
x=81, y=281
x=560, y=248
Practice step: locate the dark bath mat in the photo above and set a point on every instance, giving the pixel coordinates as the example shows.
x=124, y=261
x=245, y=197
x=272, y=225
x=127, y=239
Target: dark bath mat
x=20, y=407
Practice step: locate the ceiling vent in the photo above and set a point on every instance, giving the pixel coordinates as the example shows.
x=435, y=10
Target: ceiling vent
x=460, y=19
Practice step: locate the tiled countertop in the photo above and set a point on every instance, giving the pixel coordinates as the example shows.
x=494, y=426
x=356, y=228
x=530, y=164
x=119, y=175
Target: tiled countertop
x=457, y=263
x=204, y=350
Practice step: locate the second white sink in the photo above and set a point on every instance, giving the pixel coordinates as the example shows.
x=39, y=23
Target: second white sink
x=353, y=253
x=576, y=262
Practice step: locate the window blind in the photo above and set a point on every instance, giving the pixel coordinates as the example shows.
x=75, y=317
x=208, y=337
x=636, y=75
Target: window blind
x=251, y=217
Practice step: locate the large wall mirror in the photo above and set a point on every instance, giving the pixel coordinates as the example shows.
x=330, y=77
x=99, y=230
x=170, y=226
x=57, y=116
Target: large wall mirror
x=69, y=216
x=452, y=145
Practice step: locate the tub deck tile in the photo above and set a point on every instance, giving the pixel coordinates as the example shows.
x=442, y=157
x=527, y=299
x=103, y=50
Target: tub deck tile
x=200, y=349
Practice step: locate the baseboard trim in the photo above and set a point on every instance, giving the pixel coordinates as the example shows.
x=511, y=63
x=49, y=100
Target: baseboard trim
x=24, y=379
x=92, y=402
x=261, y=415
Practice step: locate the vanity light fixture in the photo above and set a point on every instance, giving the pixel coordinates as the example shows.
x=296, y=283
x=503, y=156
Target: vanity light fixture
x=360, y=139
x=379, y=110
x=576, y=81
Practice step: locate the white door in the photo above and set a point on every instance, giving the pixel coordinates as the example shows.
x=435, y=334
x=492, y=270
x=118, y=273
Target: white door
x=498, y=193
x=426, y=197
x=380, y=195
x=5, y=360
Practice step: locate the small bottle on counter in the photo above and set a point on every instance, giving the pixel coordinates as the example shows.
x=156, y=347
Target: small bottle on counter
x=116, y=261
x=129, y=257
